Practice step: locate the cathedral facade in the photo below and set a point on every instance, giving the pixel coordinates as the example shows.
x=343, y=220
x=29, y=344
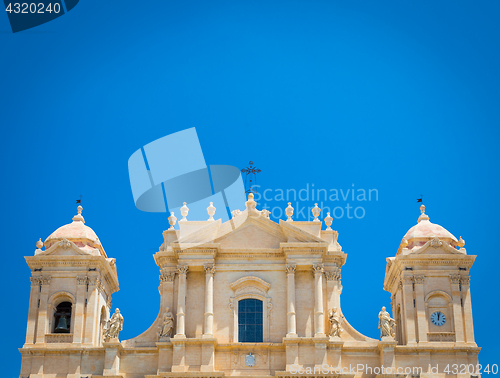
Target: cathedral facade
x=249, y=297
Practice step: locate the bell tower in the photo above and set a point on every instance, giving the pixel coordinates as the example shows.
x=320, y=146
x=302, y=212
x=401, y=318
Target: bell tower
x=429, y=284
x=71, y=286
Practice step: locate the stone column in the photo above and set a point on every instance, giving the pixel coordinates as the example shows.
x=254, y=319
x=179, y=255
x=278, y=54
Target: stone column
x=409, y=310
x=78, y=321
x=467, y=310
x=319, y=320
x=181, y=301
x=32, y=320
x=209, y=300
x=42, y=310
x=421, y=318
x=291, y=315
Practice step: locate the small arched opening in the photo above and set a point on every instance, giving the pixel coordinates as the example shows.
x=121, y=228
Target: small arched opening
x=62, y=317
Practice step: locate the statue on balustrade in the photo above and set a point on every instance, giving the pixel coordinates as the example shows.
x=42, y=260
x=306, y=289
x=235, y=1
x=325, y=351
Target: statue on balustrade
x=386, y=324
x=113, y=326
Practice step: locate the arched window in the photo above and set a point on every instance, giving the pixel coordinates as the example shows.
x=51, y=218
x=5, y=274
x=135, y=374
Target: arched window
x=62, y=318
x=250, y=319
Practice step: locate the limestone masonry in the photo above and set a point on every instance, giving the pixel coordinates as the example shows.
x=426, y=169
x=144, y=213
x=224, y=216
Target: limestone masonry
x=248, y=297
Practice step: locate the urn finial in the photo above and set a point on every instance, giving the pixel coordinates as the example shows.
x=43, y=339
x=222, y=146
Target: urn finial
x=423, y=215
x=289, y=212
x=39, y=243
x=404, y=243
x=172, y=220
x=211, y=211
x=79, y=217
x=461, y=242
x=316, y=211
x=328, y=221
x=250, y=204
x=184, y=212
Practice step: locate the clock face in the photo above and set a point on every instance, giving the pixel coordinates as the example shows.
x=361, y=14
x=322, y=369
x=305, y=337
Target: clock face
x=438, y=318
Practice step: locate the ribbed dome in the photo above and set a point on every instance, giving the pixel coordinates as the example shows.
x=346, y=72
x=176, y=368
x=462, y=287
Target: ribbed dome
x=425, y=230
x=83, y=236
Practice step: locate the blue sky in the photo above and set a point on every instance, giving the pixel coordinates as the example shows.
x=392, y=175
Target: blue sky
x=397, y=96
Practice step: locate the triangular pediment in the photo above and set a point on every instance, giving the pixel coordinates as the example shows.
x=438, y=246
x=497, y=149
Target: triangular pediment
x=63, y=247
x=436, y=247
x=297, y=235
x=253, y=232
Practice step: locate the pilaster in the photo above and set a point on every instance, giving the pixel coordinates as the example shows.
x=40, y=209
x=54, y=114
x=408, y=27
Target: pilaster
x=81, y=288
x=421, y=316
x=409, y=310
x=456, y=295
x=44, y=282
x=467, y=310
x=33, y=310
x=112, y=358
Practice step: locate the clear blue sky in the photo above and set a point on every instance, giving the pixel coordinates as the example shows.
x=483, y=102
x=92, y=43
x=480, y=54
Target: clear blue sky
x=400, y=96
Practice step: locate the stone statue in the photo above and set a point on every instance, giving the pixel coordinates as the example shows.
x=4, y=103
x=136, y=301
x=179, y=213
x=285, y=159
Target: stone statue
x=168, y=324
x=113, y=326
x=335, y=318
x=386, y=324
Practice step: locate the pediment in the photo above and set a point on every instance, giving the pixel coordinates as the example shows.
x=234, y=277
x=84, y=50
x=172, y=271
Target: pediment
x=254, y=232
x=297, y=235
x=205, y=234
x=436, y=247
x=63, y=247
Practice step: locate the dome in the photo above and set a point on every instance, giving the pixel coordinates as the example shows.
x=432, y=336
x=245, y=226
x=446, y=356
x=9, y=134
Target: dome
x=425, y=230
x=77, y=232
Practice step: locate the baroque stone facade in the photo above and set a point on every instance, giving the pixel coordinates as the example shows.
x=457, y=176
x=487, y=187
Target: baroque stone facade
x=248, y=297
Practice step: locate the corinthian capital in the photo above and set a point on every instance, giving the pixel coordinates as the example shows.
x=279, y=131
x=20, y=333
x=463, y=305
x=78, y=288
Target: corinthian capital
x=35, y=281
x=167, y=276
x=209, y=268
x=455, y=278
x=182, y=269
x=290, y=269
x=465, y=280
x=82, y=280
x=419, y=279
x=333, y=275
x=318, y=268
x=408, y=280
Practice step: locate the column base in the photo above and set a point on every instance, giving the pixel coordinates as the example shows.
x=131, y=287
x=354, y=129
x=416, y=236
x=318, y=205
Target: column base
x=291, y=335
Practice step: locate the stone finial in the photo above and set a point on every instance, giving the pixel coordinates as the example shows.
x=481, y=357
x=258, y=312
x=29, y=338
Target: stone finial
x=461, y=242
x=404, y=243
x=423, y=215
x=172, y=220
x=184, y=212
x=39, y=243
x=79, y=216
x=316, y=211
x=211, y=211
x=289, y=212
x=328, y=221
x=265, y=213
x=250, y=204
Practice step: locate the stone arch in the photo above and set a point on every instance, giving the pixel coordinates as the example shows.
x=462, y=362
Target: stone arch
x=55, y=300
